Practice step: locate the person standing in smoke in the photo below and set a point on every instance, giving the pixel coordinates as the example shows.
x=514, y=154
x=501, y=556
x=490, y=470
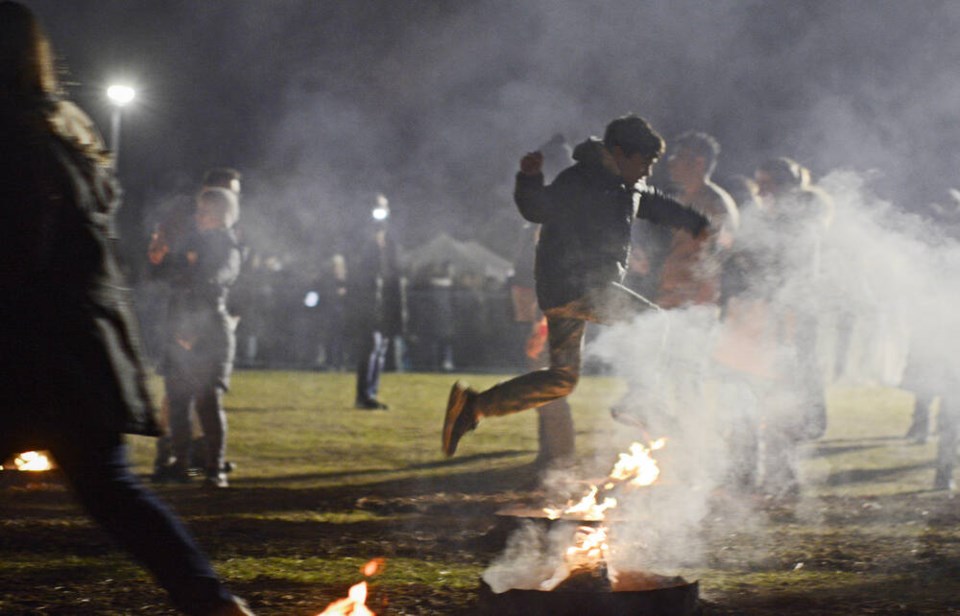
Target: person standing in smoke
x=335, y=298
x=768, y=338
x=201, y=347
x=930, y=373
x=72, y=377
x=168, y=236
x=690, y=274
x=586, y=215
x=377, y=300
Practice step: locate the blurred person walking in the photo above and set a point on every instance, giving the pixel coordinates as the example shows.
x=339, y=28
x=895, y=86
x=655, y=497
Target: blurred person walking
x=586, y=215
x=73, y=379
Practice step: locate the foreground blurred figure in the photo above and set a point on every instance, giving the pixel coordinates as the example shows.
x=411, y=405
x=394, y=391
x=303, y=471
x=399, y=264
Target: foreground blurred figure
x=72, y=377
x=582, y=255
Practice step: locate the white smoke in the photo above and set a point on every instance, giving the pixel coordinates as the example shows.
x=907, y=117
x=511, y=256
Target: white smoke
x=885, y=295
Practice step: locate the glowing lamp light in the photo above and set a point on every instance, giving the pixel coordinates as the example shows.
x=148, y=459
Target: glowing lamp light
x=121, y=95
x=382, y=211
x=312, y=299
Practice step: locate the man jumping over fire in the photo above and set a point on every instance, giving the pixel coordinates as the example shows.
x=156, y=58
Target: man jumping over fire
x=586, y=215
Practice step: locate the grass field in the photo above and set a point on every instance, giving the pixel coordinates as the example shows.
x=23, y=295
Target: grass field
x=320, y=488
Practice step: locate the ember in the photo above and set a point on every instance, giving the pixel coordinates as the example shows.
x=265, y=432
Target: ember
x=355, y=603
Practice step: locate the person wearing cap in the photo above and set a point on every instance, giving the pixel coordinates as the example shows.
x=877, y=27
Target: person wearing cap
x=586, y=215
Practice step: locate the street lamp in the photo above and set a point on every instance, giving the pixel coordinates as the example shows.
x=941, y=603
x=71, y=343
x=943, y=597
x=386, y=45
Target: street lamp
x=120, y=96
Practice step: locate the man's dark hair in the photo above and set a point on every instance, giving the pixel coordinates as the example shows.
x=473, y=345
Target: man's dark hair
x=785, y=172
x=220, y=176
x=700, y=144
x=633, y=135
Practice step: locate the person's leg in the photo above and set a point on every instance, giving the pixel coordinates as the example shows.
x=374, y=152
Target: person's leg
x=164, y=454
x=466, y=407
x=536, y=388
x=213, y=420
x=371, y=355
x=919, y=430
x=555, y=432
x=179, y=398
x=948, y=424
x=96, y=467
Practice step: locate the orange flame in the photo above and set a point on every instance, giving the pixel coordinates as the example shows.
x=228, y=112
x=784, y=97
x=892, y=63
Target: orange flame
x=637, y=468
x=373, y=567
x=32, y=461
x=589, y=546
x=355, y=603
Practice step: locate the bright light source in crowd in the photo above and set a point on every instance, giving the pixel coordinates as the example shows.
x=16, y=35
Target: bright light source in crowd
x=383, y=208
x=311, y=300
x=121, y=95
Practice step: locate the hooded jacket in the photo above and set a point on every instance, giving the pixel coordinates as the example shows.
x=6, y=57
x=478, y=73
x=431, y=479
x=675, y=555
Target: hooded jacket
x=586, y=215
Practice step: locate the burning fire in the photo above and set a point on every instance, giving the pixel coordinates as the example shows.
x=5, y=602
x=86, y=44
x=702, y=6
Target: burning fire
x=31, y=461
x=637, y=468
x=355, y=603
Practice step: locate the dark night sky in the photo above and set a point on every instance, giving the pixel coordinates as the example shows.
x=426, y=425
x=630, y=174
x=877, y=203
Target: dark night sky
x=324, y=104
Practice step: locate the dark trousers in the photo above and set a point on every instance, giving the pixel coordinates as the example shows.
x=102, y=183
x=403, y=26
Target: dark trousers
x=208, y=402
x=948, y=426
x=565, y=328
x=371, y=357
x=97, y=469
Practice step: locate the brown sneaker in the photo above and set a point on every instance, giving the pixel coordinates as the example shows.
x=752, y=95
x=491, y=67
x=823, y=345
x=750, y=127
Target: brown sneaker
x=459, y=419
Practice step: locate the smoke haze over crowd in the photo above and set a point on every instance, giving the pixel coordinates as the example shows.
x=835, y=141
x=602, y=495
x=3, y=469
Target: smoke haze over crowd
x=323, y=105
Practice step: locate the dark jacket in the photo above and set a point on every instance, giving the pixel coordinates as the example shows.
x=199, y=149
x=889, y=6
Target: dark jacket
x=377, y=301
x=587, y=213
x=70, y=360
x=202, y=341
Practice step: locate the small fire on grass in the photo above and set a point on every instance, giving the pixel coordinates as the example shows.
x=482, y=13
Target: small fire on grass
x=355, y=603
x=29, y=461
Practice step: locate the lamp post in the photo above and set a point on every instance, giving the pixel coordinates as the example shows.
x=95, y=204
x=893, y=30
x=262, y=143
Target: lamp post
x=120, y=96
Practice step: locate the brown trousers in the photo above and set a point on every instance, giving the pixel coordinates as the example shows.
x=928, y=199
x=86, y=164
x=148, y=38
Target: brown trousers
x=565, y=328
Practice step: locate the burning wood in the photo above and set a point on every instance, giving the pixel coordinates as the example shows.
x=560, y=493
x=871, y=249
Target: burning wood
x=355, y=603
x=637, y=468
x=561, y=561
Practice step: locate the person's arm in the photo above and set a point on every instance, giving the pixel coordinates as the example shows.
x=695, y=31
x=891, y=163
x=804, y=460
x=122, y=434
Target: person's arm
x=662, y=210
x=216, y=260
x=529, y=193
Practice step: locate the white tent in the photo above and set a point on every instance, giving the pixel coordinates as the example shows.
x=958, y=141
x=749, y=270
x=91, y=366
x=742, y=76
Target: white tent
x=463, y=256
